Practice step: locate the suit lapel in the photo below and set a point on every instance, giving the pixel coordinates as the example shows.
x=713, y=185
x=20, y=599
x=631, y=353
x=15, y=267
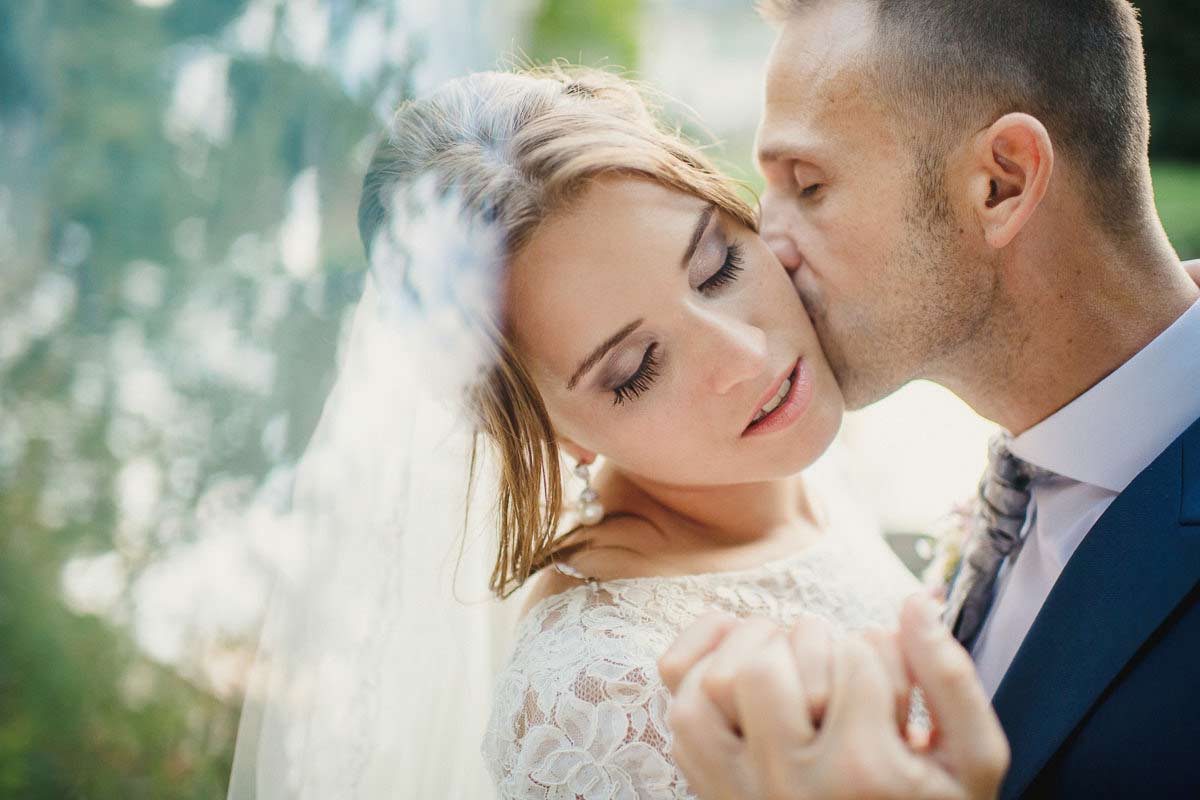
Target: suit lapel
x=1131, y=570
x=1189, y=512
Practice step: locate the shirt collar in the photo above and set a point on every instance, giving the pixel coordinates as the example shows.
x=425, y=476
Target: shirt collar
x=1108, y=435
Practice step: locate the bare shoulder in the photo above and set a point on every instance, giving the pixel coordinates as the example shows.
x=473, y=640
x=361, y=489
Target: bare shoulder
x=546, y=584
x=616, y=548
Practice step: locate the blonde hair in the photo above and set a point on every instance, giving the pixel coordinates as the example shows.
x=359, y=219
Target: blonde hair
x=517, y=147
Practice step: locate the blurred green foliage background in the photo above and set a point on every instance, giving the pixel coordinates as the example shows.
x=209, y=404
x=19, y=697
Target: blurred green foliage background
x=161, y=324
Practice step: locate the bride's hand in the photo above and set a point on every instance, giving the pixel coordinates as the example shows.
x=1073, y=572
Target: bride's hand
x=741, y=690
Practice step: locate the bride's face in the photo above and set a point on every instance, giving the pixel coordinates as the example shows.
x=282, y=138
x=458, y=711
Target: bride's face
x=657, y=328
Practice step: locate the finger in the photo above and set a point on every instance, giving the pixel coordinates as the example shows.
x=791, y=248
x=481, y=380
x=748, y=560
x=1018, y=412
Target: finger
x=744, y=642
x=859, y=738
x=862, y=700
x=887, y=647
x=967, y=738
x=918, y=738
x=774, y=711
x=697, y=641
x=812, y=648
x=705, y=748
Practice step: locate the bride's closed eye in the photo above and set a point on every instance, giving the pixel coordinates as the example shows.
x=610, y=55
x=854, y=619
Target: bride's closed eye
x=643, y=378
x=647, y=371
x=727, y=273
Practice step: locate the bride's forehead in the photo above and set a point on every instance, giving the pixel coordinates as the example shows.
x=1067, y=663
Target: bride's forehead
x=598, y=261
x=615, y=218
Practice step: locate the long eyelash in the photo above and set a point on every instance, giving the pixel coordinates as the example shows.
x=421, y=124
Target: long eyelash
x=728, y=271
x=641, y=380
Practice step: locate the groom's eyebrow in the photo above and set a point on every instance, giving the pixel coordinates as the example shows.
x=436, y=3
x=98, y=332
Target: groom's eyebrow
x=784, y=150
x=614, y=340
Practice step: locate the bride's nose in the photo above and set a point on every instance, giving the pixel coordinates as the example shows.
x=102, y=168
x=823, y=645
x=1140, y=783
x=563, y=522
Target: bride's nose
x=735, y=351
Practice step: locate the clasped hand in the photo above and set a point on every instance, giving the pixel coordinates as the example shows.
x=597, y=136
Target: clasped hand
x=764, y=713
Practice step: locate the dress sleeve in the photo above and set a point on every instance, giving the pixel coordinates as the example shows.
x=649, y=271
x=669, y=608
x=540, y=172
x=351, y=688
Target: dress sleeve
x=580, y=711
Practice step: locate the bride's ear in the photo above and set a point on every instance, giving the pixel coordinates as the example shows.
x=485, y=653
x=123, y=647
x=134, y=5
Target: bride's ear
x=1010, y=174
x=579, y=455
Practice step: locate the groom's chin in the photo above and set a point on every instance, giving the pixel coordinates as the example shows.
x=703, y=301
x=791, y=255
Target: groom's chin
x=859, y=388
x=860, y=396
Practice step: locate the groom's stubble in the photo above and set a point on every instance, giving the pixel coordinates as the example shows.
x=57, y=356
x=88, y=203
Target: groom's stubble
x=918, y=327
x=892, y=290
x=893, y=262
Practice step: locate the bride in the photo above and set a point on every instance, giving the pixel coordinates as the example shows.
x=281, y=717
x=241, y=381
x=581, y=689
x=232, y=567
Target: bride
x=646, y=323
x=629, y=335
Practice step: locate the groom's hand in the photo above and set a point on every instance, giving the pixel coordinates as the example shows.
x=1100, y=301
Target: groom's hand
x=765, y=715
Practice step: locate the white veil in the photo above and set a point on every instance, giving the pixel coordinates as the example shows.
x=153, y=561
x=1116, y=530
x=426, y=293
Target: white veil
x=378, y=651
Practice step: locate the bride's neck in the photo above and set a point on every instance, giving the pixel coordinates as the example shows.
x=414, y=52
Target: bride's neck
x=732, y=515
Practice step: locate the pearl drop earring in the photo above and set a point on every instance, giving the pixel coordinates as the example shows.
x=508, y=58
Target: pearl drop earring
x=589, y=508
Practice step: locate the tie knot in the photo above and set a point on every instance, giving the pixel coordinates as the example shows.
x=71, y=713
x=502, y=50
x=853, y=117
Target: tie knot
x=1007, y=468
x=1005, y=492
x=1004, y=495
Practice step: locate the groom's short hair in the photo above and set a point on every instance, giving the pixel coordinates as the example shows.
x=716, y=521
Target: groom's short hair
x=1076, y=65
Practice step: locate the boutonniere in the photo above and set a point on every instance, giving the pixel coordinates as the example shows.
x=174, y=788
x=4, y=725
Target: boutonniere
x=949, y=536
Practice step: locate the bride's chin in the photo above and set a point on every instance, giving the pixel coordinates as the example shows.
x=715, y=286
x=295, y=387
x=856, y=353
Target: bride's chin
x=811, y=438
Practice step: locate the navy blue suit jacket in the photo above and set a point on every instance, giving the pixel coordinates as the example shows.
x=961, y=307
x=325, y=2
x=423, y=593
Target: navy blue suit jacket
x=1103, y=697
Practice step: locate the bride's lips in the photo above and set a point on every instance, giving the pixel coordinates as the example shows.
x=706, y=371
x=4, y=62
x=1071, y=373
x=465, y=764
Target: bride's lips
x=793, y=406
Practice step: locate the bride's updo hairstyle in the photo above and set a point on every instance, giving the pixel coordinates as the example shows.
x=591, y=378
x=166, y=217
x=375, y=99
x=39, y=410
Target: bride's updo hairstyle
x=516, y=148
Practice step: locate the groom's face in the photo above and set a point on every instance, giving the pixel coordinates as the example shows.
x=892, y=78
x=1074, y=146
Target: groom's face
x=865, y=226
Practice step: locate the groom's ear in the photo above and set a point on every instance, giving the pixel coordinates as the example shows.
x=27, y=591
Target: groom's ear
x=1012, y=163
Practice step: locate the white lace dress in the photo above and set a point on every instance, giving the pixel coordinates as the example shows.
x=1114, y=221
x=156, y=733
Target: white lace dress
x=580, y=712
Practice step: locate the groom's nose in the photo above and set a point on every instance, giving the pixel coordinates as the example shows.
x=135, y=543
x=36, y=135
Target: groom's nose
x=785, y=250
x=774, y=233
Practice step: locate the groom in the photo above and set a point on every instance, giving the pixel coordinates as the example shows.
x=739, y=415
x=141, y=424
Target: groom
x=962, y=193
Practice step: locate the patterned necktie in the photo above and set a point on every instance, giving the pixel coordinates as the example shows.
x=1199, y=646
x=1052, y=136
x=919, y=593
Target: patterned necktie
x=999, y=517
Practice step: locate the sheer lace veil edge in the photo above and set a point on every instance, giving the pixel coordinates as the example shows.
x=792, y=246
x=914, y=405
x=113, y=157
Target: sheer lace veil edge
x=375, y=664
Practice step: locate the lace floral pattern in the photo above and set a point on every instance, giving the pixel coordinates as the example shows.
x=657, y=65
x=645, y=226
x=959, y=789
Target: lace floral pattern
x=580, y=712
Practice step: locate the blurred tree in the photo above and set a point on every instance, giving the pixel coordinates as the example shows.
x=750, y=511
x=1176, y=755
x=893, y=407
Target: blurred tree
x=18, y=87
x=1172, y=29
x=186, y=18
x=591, y=32
x=127, y=208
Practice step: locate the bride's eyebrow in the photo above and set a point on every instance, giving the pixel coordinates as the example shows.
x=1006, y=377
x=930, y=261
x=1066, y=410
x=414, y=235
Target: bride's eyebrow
x=697, y=234
x=599, y=353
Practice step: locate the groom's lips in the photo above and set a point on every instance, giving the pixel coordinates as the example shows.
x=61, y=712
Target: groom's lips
x=793, y=406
